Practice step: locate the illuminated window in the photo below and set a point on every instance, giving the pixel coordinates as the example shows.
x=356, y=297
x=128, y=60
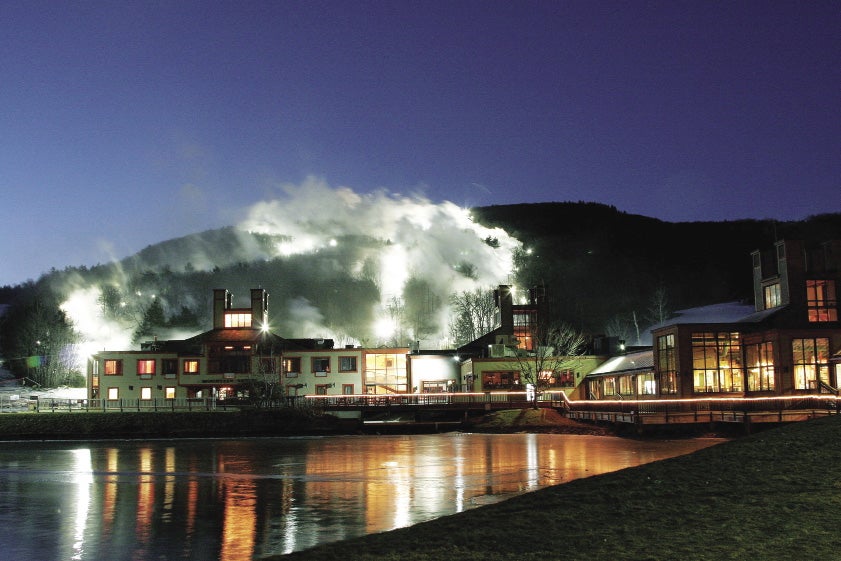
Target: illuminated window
x=811, y=362
x=609, y=385
x=145, y=393
x=771, y=295
x=667, y=364
x=191, y=366
x=645, y=384
x=292, y=367
x=169, y=392
x=238, y=319
x=113, y=368
x=502, y=380
x=524, y=323
x=146, y=367
x=386, y=372
x=347, y=364
x=716, y=362
x=113, y=393
x=760, y=366
x=347, y=389
x=820, y=300
x=626, y=385
x=594, y=388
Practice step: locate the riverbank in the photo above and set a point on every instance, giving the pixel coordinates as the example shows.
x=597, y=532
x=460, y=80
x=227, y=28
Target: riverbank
x=769, y=496
x=81, y=425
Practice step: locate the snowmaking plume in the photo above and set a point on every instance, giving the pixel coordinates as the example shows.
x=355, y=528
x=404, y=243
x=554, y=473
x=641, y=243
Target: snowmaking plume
x=373, y=269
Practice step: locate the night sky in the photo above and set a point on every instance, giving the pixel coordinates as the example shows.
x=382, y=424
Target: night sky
x=123, y=124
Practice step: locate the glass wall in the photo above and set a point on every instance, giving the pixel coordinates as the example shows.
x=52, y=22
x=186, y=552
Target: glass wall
x=717, y=362
x=760, y=366
x=811, y=362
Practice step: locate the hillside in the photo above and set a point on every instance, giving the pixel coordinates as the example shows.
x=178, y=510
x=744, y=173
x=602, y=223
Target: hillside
x=603, y=270
x=600, y=262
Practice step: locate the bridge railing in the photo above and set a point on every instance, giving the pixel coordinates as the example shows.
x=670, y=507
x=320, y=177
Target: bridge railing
x=821, y=402
x=358, y=401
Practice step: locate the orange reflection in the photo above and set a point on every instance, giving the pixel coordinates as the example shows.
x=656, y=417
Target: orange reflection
x=240, y=523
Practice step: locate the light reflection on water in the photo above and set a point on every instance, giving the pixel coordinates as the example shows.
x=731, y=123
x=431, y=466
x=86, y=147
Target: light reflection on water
x=246, y=499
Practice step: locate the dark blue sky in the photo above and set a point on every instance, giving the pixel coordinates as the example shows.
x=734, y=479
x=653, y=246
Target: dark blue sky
x=128, y=123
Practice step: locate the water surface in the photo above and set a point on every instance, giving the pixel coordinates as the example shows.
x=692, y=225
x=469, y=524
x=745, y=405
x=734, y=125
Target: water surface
x=233, y=500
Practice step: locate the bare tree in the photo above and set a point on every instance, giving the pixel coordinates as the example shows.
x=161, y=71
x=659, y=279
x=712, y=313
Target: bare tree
x=265, y=384
x=473, y=314
x=555, y=348
x=658, y=308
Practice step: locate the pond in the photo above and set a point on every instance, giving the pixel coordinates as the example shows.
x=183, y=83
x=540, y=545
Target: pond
x=233, y=500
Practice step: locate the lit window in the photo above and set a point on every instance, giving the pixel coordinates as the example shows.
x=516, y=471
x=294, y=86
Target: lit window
x=626, y=385
x=820, y=300
x=292, y=367
x=347, y=364
x=811, y=362
x=667, y=364
x=146, y=367
x=771, y=295
x=169, y=392
x=717, y=362
x=113, y=393
x=347, y=389
x=113, y=368
x=760, y=366
x=145, y=393
x=191, y=366
x=238, y=319
x=645, y=383
x=386, y=370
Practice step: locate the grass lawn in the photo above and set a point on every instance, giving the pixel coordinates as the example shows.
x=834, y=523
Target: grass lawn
x=772, y=495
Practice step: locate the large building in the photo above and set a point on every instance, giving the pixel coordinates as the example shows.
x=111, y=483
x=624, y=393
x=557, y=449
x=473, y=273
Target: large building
x=239, y=358
x=789, y=344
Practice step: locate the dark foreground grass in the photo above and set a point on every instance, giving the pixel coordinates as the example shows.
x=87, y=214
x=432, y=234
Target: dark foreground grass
x=770, y=496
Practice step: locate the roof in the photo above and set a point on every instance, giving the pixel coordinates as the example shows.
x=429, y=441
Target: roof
x=632, y=362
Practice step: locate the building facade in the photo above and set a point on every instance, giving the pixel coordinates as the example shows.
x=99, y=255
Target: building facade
x=789, y=345
x=240, y=359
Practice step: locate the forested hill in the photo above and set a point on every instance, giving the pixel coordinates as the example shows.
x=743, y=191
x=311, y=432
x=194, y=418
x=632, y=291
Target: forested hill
x=602, y=264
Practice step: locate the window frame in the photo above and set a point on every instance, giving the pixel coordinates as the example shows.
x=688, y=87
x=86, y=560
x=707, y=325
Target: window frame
x=145, y=372
x=287, y=363
x=316, y=362
x=118, y=363
x=821, y=300
x=343, y=358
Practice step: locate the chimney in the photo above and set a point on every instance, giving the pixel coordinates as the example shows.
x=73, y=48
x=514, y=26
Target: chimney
x=504, y=309
x=221, y=302
x=259, y=308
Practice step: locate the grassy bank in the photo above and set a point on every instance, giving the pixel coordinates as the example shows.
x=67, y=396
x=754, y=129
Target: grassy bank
x=773, y=495
x=99, y=425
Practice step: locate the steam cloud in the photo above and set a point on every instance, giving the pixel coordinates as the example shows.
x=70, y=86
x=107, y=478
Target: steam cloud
x=351, y=263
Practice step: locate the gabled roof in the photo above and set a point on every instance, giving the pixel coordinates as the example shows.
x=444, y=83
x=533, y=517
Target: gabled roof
x=641, y=361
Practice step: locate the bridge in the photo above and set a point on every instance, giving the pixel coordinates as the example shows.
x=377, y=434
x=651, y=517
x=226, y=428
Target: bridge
x=452, y=408
x=641, y=412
